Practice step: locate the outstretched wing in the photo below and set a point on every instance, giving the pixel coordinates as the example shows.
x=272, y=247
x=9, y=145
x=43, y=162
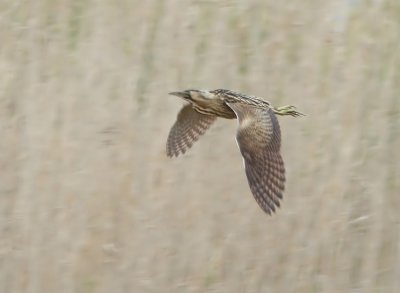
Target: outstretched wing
x=189, y=126
x=259, y=140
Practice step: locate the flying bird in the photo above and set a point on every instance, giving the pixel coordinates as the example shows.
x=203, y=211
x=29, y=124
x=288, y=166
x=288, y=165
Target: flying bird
x=258, y=136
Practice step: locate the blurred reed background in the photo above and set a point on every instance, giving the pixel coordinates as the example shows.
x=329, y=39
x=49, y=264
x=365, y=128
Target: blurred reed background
x=89, y=202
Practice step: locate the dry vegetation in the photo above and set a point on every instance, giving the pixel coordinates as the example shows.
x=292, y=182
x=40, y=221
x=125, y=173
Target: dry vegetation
x=90, y=203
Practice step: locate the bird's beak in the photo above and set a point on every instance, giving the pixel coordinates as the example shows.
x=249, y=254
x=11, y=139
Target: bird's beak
x=178, y=94
x=184, y=95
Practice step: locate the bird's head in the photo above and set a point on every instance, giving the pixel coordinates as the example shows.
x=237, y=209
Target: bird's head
x=193, y=95
x=183, y=94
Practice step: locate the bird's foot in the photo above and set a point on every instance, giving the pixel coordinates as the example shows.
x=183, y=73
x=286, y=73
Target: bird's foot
x=287, y=110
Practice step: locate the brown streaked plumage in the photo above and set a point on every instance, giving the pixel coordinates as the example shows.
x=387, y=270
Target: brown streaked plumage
x=188, y=127
x=258, y=136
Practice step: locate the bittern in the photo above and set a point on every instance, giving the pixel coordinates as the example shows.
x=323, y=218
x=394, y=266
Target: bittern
x=258, y=136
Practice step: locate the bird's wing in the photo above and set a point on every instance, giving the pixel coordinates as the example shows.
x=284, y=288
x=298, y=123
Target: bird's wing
x=259, y=139
x=189, y=126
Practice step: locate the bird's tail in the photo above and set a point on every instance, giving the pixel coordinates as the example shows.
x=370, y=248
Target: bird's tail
x=287, y=110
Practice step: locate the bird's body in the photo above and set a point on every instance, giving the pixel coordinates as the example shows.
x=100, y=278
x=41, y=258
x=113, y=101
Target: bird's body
x=258, y=136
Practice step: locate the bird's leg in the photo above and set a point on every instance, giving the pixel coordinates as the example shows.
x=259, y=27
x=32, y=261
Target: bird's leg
x=287, y=110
